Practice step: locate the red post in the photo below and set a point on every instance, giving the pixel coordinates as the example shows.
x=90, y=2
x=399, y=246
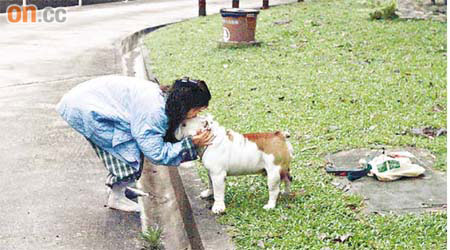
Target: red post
x=202, y=7
x=265, y=4
x=235, y=4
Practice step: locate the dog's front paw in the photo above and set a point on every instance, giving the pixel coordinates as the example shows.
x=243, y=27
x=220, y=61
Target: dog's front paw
x=218, y=208
x=269, y=206
x=207, y=193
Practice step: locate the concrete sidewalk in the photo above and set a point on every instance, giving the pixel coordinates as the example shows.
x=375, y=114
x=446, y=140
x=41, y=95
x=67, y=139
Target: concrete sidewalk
x=51, y=181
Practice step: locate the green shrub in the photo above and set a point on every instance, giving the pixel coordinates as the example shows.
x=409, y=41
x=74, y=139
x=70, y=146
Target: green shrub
x=385, y=11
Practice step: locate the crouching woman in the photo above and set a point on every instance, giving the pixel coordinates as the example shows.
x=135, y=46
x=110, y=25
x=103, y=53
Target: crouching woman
x=126, y=119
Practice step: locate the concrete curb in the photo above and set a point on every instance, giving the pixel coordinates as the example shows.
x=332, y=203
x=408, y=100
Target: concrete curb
x=129, y=54
x=212, y=234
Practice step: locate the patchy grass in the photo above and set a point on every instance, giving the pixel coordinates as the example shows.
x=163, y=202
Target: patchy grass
x=336, y=80
x=152, y=238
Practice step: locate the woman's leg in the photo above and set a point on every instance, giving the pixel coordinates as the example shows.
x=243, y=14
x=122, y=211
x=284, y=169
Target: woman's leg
x=119, y=177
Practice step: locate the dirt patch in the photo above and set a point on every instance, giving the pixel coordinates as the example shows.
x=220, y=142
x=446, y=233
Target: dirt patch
x=420, y=9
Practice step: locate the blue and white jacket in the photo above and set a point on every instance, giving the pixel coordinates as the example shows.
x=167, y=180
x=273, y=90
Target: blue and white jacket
x=126, y=117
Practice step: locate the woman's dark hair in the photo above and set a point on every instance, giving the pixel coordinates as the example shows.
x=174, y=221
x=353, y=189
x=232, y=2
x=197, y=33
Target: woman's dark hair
x=184, y=95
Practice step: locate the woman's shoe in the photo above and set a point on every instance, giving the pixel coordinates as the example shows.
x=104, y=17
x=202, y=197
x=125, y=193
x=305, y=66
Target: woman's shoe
x=118, y=200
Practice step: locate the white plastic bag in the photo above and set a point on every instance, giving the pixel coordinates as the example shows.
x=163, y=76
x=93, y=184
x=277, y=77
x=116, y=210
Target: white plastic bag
x=393, y=166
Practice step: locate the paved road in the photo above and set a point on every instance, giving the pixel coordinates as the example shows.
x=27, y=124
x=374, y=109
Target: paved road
x=52, y=192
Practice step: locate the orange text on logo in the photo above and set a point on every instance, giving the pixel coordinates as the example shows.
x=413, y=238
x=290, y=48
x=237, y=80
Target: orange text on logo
x=18, y=13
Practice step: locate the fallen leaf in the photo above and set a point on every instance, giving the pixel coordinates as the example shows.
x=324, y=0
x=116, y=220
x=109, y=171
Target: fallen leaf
x=323, y=236
x=308, y=148
x=404, y=132
x=261, y=244
x=279, y=22
x=332, y=128
x=351, y=206
x=336, y=184
x=314, y=24
x=437, y=108
x=273, y=235
x=232, y=232
x=343, y=238
x=308, y=137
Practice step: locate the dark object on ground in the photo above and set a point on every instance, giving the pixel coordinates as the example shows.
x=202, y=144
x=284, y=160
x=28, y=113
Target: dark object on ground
x=429, y=132
x=351, y=173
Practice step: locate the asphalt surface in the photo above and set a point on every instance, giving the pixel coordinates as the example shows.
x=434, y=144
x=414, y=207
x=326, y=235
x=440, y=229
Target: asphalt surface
x=52, y=188
x=53, y=196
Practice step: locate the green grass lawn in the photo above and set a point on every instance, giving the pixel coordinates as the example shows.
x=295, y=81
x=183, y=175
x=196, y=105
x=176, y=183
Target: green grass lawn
x=335, y=80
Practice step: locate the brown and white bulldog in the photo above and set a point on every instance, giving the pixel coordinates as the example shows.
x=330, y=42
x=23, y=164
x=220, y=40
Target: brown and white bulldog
x=231, y=154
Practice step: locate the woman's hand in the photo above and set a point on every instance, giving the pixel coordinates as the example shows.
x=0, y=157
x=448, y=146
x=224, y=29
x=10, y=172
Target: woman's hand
x=203, y=138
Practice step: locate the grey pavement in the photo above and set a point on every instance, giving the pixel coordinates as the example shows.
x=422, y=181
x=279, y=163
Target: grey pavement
x=407, y=195
x=52, y=188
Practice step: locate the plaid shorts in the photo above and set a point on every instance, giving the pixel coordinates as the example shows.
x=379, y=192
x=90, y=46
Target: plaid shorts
x=118, y=170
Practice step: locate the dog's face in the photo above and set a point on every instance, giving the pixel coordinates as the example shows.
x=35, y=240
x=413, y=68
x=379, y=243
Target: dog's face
x=190, y=127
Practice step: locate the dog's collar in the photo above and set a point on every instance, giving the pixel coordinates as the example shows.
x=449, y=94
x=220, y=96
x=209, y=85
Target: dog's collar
x=201, y=151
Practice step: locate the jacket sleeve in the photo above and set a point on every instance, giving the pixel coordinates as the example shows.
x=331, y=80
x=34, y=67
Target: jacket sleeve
x=148, y=129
